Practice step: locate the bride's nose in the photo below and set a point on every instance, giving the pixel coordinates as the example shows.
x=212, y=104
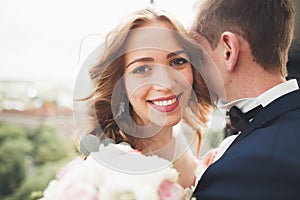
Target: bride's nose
x=164, y=78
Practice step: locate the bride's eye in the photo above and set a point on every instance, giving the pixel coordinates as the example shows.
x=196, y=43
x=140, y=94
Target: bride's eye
x=142, y=70
x=178, y=62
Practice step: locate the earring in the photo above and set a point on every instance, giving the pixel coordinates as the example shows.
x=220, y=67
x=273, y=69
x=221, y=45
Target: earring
x=193, y=98
x=121, y=107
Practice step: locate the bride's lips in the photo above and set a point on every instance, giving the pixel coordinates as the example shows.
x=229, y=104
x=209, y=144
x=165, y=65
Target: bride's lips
x=165, y=104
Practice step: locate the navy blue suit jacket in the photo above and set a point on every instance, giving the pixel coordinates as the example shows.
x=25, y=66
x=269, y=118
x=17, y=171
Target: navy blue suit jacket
x=264, y=160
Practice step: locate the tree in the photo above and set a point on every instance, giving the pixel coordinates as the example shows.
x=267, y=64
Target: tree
x=14, y=147
x=29, y=159
x=11, y=131
x=48, y=145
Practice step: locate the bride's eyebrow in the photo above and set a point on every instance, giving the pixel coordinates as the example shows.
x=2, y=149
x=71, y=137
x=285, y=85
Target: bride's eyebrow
x=140, y=60
x=175, y=53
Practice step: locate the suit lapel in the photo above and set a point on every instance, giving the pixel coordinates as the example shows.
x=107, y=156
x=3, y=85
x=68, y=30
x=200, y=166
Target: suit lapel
x=275, y=109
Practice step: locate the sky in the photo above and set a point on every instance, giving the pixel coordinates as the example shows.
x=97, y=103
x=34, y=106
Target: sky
x=40, y=40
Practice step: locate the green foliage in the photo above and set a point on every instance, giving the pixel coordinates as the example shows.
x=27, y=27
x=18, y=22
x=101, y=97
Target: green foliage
x=10, y=131
x=33, y=186
x=48, y=147
x=14, y=147
x=29, y=159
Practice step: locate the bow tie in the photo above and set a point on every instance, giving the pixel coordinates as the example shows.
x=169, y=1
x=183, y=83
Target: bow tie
x=238, y=120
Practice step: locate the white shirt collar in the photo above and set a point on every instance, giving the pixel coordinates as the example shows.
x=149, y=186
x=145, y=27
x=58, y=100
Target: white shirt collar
x=264, y=99
x=277, y=91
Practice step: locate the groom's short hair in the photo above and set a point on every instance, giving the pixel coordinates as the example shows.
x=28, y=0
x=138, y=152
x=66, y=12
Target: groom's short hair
x=267, y=25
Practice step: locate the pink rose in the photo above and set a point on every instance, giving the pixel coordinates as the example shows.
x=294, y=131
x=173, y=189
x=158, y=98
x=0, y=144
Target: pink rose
x=80, y=190
x=69, y=167
x=169, y=191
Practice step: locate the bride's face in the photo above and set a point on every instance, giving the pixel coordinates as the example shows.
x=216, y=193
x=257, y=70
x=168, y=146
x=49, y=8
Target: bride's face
x=158, y=75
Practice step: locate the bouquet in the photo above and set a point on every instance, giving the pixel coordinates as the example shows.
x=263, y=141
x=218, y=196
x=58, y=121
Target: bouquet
x=116, y=172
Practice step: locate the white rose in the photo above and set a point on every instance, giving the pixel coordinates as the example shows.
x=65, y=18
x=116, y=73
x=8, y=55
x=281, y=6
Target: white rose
x=126, y=186
x=123, y=158
x=53, y=190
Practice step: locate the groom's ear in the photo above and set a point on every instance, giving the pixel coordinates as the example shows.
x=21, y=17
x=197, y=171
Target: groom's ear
x=231, y=51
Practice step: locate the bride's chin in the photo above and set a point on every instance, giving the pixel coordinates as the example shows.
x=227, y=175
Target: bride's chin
x=167, y=121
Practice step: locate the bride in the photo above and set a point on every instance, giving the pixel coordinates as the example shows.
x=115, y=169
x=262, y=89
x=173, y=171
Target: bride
x=148, y=91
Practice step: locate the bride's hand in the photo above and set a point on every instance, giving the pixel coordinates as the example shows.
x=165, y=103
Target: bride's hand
x=208, y=158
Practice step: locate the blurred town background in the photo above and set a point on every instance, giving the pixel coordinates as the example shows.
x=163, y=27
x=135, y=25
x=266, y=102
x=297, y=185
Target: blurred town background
x=36, y=136
x=37, y=126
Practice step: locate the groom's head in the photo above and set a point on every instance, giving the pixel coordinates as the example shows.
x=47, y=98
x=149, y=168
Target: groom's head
x=266, y=25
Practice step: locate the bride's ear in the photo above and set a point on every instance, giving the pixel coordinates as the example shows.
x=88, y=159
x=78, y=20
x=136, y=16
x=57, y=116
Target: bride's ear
x=231, y=50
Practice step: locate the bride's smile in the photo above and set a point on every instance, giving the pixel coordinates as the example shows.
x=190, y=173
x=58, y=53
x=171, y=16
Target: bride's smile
x=165, y=104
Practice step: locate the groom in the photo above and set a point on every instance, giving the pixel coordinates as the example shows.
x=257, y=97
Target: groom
x=249, y=41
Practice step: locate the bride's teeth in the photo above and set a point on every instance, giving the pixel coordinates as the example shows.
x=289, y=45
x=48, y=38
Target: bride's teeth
x=165, y=102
